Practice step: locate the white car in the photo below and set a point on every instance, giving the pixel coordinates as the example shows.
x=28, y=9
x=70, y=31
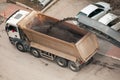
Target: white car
x=111, y=20
x=94, y=11
x=44, y=2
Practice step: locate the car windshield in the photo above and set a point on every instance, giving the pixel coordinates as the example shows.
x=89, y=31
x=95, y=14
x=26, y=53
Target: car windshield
x=100, y=6
x=114, y=22
x=81, y=13
x=95, y=12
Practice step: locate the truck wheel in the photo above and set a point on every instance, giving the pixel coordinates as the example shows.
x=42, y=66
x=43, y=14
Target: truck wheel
x=20, y=47
x=73, y=66
x=62, y=62
x=35, y=52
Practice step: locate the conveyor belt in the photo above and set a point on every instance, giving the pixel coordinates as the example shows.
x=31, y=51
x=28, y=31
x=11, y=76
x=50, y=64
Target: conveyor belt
x=100, y=29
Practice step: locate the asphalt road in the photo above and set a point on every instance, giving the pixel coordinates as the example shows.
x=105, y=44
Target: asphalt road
x=15, y=65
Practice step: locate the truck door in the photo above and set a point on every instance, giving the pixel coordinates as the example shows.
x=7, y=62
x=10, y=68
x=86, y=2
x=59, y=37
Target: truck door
x=12, y=31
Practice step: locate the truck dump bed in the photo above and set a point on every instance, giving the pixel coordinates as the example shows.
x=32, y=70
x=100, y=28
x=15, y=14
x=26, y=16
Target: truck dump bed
x=65, y=40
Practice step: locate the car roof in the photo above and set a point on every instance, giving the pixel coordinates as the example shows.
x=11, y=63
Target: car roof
x=106, y=19
x=90, y=8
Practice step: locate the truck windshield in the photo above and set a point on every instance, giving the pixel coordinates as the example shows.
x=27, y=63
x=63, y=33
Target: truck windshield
x=12, y=28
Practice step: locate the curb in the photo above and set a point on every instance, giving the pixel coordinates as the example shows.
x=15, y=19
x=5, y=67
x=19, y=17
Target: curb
x=23, y=5
x=109, y=56
x=19, y=4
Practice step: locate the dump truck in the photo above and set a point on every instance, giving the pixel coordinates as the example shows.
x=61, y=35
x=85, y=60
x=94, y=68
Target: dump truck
x=65, y=43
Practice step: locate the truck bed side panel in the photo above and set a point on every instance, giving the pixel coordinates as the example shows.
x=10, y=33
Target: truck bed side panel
x=52, y=43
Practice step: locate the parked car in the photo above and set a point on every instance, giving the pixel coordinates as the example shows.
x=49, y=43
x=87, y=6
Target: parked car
x=94, y=11
x=111, y=20
x=44, y=2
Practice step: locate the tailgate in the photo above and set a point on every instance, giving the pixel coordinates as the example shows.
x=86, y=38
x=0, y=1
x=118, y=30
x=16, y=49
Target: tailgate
x=87, y=46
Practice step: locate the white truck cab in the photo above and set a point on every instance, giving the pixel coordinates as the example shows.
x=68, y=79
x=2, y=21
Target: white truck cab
x=11, y=23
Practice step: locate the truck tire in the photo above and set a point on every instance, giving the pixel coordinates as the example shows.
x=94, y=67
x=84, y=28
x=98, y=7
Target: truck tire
x=62, y=62
x=72, y=66
x=35, y=52
x=20, y=47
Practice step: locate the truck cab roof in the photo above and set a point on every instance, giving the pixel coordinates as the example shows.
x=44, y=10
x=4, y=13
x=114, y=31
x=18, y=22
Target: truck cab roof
x=16, y=17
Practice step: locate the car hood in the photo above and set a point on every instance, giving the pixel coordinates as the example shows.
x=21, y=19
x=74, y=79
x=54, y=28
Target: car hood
x=106, y=19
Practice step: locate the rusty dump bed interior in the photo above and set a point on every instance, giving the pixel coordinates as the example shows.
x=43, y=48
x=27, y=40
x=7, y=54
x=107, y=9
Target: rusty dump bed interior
x=63, y=31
